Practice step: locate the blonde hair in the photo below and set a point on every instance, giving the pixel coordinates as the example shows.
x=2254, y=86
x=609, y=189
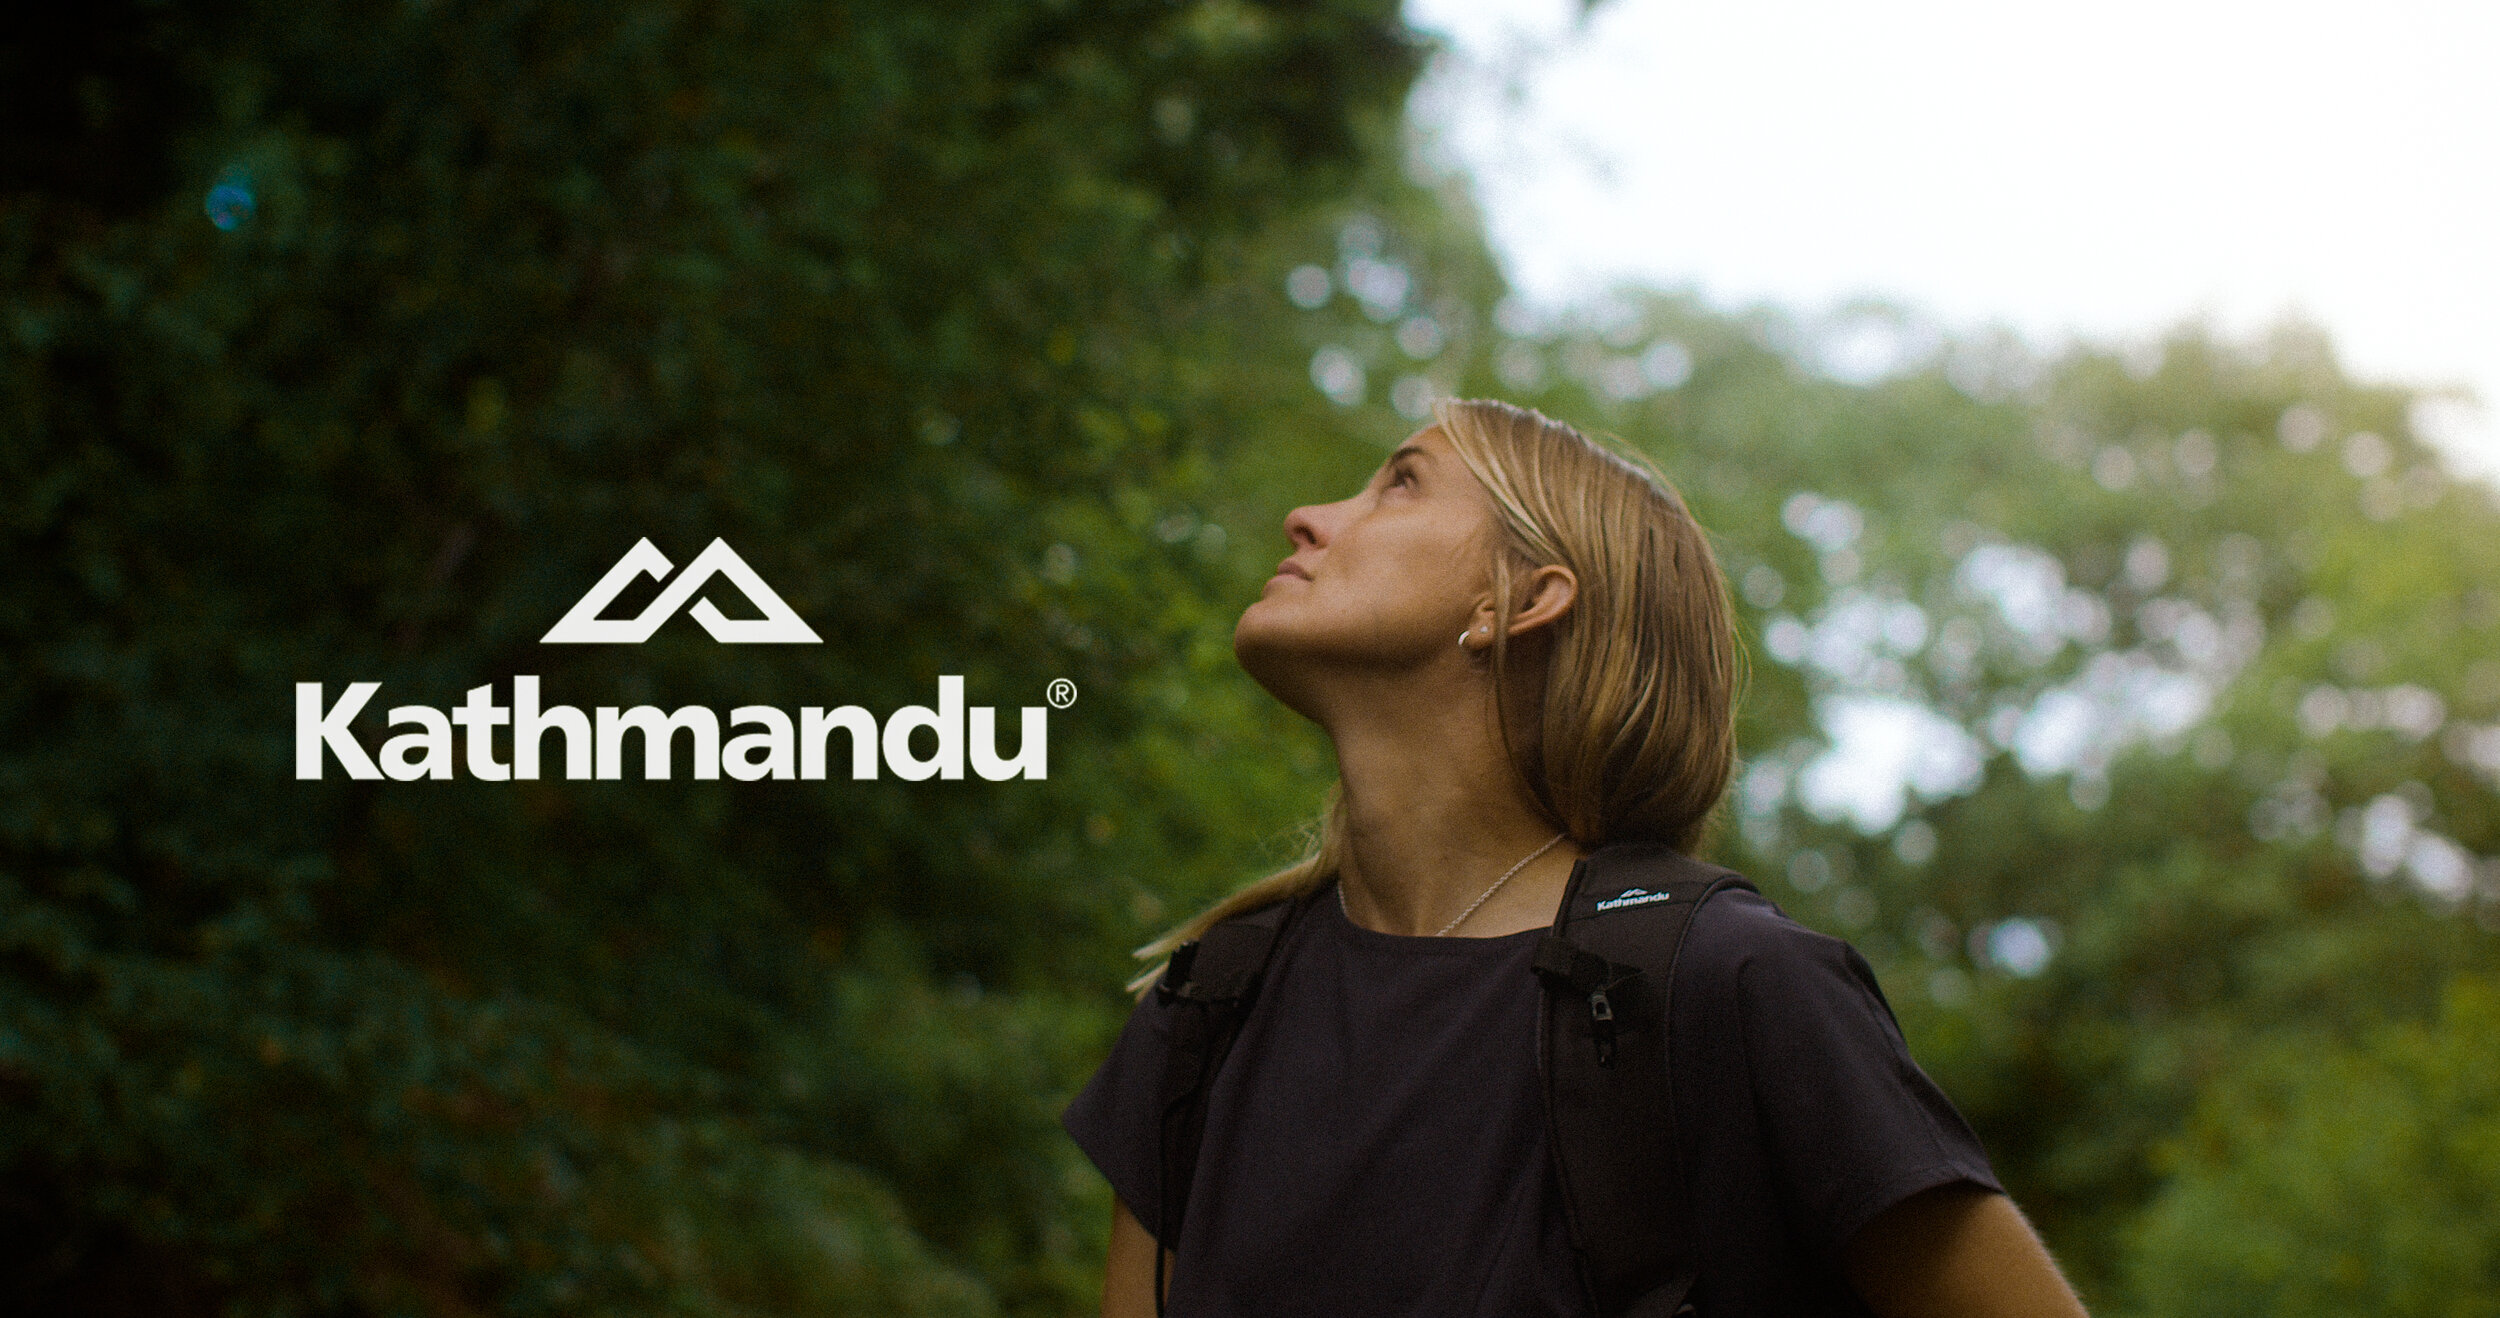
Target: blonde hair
x=1632, y=736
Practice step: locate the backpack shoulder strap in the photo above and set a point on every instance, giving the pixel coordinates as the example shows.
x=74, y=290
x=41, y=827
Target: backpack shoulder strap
x=1210, y=984
x=1608, y=967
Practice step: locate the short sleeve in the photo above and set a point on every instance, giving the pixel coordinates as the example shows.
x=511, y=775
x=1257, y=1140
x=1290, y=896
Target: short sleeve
x=1113, y=1119
x=1853, y=1126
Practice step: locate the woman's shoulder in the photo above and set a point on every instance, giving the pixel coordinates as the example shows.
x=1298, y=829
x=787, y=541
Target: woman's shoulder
x=1740, y=924
x=1742, y=947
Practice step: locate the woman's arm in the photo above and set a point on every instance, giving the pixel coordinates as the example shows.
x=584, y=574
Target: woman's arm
x=1128, y=1275
x=1956, y=1251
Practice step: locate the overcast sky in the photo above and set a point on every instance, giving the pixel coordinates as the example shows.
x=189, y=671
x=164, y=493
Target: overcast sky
x=2107, y=169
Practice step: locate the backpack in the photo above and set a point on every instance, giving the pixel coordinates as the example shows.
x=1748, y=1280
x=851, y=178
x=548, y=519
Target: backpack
x=1605, y=969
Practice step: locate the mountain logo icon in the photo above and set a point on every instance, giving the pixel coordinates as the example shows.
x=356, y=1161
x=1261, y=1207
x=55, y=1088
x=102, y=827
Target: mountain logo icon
x=582, y=625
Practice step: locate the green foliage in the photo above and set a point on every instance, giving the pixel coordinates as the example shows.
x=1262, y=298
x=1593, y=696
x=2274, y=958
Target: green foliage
x=2318, y=1179
x=354, y=341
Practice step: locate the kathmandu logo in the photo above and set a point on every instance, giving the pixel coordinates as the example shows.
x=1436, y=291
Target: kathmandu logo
x=503, y=742
x=1633, y=897
x=780, y=624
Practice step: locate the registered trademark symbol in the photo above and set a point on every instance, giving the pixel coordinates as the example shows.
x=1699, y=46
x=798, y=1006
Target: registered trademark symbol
x=1061, y=693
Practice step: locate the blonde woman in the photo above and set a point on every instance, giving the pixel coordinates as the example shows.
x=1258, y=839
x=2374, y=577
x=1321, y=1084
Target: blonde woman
x=1522, y=650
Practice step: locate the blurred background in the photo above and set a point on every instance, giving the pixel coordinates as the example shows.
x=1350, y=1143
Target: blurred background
x=2073, y=409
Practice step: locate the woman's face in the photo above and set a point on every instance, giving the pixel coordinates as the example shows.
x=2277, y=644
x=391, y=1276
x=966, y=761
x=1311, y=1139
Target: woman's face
x=1382, y=582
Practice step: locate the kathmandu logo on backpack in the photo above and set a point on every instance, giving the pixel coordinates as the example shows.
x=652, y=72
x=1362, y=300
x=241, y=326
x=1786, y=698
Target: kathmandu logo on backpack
x=780, y=625
x=1633, y=897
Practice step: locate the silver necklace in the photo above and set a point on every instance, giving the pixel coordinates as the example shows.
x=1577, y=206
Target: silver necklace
x=1481, y=898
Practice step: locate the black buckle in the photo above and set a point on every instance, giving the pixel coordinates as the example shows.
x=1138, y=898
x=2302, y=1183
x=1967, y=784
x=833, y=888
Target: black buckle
x=1565, y=965
x=1602, y=1026
x=1176, y=973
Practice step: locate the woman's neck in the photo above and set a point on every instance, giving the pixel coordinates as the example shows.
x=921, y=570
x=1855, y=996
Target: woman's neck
x=1435, y=815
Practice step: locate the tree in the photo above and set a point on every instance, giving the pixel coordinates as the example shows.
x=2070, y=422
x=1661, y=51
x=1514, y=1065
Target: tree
x=2334, y=1179
x=353, y=342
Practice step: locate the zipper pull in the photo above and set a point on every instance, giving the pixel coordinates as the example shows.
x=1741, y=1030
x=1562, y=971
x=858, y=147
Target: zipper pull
x=1602, y=1025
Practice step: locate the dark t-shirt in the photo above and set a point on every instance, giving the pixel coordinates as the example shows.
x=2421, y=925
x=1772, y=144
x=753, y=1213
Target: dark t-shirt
x=1375, y=1143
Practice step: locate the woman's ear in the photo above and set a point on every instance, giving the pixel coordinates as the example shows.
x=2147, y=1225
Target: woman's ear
x=1547, y=594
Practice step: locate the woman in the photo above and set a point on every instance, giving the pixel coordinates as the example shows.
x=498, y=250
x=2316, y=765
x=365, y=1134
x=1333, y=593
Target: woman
x=1375, y=1141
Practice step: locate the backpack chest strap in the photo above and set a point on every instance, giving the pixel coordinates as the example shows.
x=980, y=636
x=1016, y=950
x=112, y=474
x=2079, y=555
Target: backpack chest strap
x=1608, y=970
x=1209, y=985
